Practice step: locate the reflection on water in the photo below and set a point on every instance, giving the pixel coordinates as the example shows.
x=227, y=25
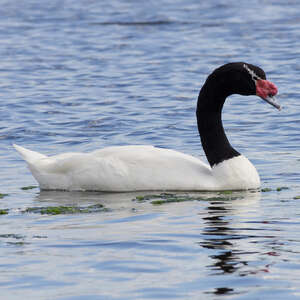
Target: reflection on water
x=109, y=200
x=219, y=235
x=137, y=242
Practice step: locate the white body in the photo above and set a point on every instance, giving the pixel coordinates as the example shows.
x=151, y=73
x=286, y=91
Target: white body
x=138, y=168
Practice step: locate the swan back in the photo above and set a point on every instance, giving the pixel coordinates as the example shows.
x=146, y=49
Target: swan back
x=123, y=168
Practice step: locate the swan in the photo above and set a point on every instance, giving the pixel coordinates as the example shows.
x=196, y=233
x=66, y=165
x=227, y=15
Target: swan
x=145, y=168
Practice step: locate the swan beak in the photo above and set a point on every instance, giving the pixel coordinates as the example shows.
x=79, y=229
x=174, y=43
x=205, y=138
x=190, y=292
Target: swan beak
x=267, y=90
x=272, y=100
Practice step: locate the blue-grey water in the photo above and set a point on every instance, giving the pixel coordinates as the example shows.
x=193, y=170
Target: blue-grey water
x=82, y=75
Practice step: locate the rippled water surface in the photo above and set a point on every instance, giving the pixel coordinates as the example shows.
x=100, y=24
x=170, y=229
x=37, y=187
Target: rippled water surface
x=82, y=75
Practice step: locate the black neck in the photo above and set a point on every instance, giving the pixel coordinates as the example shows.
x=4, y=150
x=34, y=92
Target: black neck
x=213, y=138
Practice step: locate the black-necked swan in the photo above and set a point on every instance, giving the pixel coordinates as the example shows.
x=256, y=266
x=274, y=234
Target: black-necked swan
x=142, y=168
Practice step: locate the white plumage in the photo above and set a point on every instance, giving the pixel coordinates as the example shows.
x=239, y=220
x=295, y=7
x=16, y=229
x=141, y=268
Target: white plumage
x=138, y=168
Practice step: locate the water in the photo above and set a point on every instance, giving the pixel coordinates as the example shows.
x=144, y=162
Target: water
x=82, y=75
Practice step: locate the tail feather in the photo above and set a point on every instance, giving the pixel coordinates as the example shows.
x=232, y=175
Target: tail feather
x=28, y=155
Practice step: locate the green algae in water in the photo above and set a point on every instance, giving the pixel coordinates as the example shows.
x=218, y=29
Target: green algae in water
x=264, y=190
x=278, y=189
x=226, y=192
x=63, y=210
x=4, y=211
x=152, y=196
x=139, y=198
x=282, y=188
x=170, y=200
x=3, y=195
x=164, y=198
x=29, y=187
x=161, y=198
x=51, y=210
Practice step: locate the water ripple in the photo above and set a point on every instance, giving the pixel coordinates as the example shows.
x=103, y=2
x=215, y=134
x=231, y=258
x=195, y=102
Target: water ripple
x=77, y=76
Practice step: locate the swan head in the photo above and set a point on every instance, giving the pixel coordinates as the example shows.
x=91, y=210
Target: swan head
x=264, y=88
x=243, y=79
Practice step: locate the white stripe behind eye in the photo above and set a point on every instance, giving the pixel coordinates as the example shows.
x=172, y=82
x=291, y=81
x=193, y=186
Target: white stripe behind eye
x=252, y=73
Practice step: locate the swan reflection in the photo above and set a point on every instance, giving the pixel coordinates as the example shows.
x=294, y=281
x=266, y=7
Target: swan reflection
x=223, y=232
